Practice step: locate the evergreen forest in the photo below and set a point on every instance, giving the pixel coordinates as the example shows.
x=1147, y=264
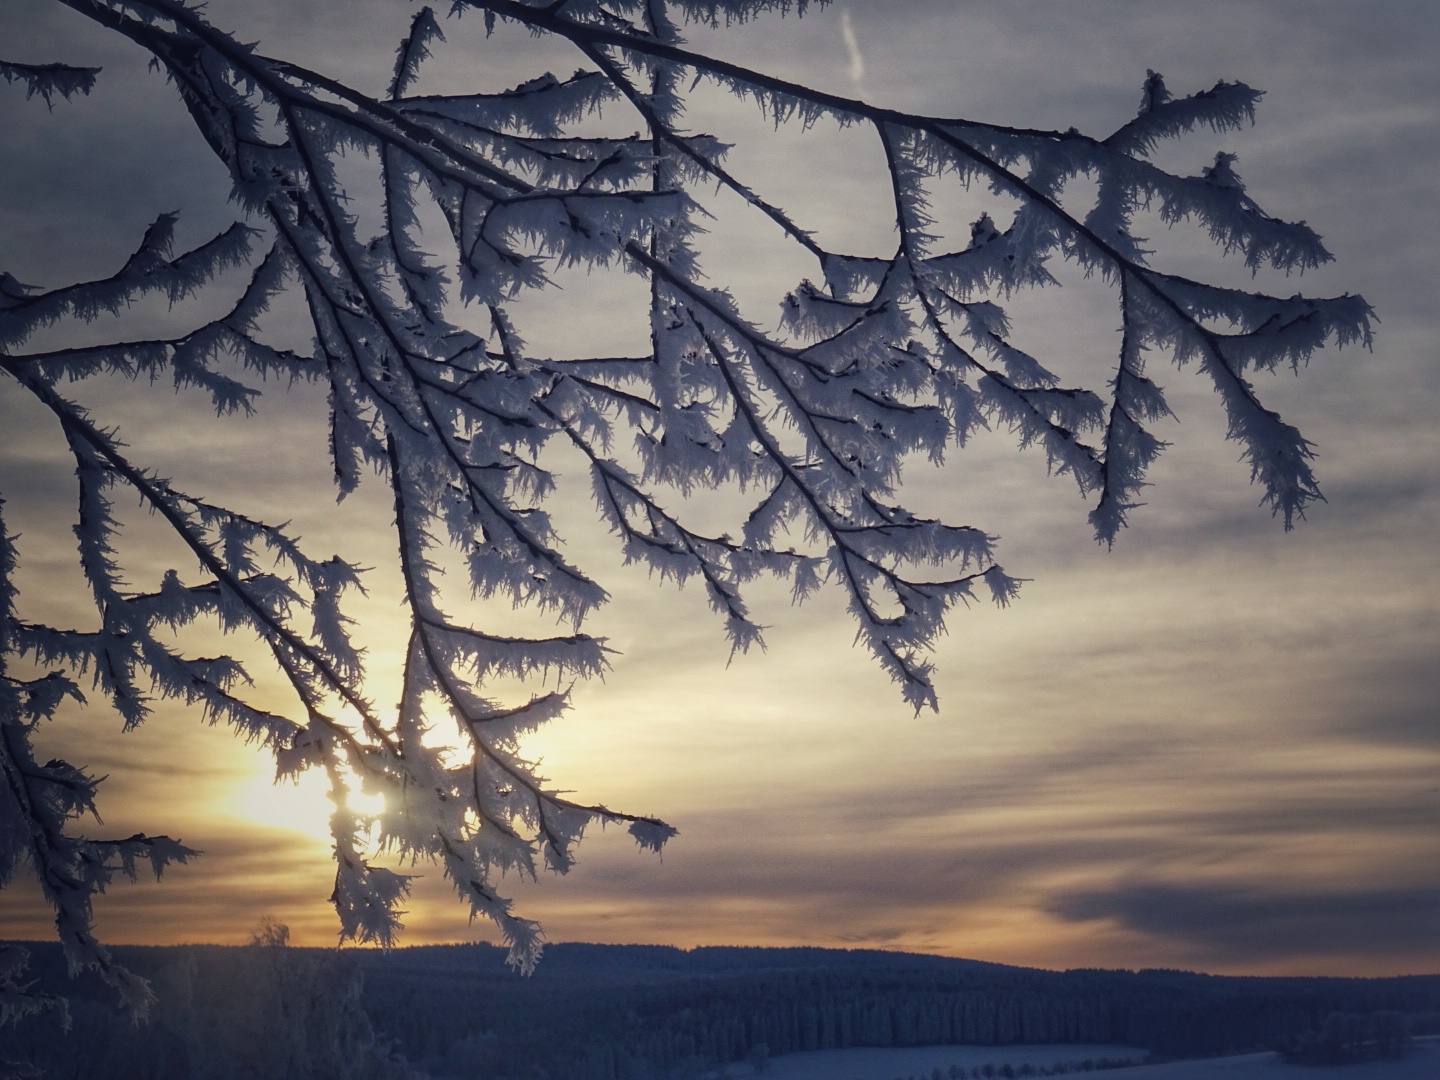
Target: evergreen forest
x=598, y=1012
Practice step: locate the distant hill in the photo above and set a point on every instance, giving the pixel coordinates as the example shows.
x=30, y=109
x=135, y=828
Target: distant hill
x=605, y=1012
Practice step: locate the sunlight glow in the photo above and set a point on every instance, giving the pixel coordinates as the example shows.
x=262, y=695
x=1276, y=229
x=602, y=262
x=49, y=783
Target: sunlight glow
x=366, y=804
x=302, y=806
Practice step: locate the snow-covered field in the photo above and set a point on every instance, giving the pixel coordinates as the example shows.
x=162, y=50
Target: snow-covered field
x=1423, y=1063
x=898, y=1063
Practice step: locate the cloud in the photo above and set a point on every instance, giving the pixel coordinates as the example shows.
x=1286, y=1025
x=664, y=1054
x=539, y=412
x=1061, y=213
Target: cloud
x=1392, y=700
x=887, y=935
x=1223, y=924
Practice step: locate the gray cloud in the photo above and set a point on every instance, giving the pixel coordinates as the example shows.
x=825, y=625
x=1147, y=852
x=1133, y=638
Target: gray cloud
x=1224, y=924
x=1393, y=699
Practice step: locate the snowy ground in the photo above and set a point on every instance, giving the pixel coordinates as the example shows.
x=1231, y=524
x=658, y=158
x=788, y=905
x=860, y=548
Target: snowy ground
x=1423, y=1063
x=920, y=1061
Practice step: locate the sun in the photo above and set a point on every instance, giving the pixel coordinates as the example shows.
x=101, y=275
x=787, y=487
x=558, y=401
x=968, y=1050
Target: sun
x=299, y=806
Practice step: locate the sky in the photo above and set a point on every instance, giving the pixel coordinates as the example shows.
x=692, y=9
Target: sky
x=1214, y=747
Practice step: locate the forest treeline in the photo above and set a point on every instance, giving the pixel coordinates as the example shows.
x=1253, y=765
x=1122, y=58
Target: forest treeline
x=596, y=1012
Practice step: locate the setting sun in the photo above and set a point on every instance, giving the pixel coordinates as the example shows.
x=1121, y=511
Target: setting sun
x=302, y=806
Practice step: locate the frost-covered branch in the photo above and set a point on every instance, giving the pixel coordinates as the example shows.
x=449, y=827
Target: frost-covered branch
x=452, y=207
x=50, y=80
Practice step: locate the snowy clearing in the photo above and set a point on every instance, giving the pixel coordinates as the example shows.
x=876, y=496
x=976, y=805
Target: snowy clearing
x=1422, y=1063
x=898, y=1063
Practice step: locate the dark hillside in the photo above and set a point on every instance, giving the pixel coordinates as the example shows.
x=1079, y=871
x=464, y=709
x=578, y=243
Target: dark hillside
x=602, y=1010
x=595, y=1012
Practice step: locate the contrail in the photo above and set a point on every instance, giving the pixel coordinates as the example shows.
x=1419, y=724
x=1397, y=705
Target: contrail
x=852, y=45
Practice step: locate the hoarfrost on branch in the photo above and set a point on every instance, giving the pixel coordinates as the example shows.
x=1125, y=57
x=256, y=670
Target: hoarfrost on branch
x=881, y=357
